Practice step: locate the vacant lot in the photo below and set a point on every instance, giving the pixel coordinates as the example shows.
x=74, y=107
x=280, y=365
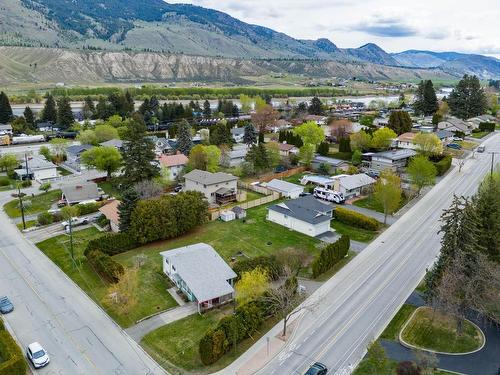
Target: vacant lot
x=32, y=205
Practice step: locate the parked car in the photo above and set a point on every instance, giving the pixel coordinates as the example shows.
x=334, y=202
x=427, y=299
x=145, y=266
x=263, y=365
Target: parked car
x=317, y=369
x=457, y=139
x=178, y=189
x=454, y=146
x=5, y=305
x=304, y=194
x=75, y=221
x=37, y=355
x=481, y=148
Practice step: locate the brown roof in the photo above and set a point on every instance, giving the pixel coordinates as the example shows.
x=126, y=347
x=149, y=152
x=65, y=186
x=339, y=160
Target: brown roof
x=173, y=160
x=407, y=137
x=286, y=146
x=110, y=210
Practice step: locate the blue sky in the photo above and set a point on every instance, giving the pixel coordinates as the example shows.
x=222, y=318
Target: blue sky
x=395, y=25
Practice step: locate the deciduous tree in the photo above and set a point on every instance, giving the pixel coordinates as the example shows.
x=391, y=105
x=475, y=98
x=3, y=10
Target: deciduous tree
x=422, y=172
x=265, y=116
x=428, y=144
x=106, y=159
x=388, y=192
x=382, y=138
x=105, y=133
x=252, y=285
x=360, y=141
x=306, y=154
x=310, y=133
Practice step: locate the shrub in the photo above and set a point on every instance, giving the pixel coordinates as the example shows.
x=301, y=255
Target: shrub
x=345, y=145
x=356, y=219
x=443, y=165
x=4, y=181
x=88, y=208
x=12, y=357
x=26, y=183
x=105, y=266
x=111, y=243
x=45, y=186
x=45, y=218
x=330, y=255
x=486, y=127
x=268, y=263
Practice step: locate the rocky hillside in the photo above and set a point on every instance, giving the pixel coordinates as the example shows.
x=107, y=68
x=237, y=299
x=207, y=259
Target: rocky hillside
x=21, y=64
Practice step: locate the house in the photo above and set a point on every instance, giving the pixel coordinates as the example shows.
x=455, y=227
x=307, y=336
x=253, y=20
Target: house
x=201, y=274
x=454, y=124
x=218, y=188
x=5, y=129
x=405, y=140
x=305, y=215
x=116, y=143
x=286, y=189
x=287, y=149
x=46, y=127
x=163, y=145
x=352, y=185
x=445, y=136
x=319, y=120
x=335, y=165
x=234, y=157
x=110, y=210
x=239, y=212
x=38, y=169
x=73, y=155
x=86, y=192
x=174, y=164
x=238, y=134
x=476, y=121
x=394, y=160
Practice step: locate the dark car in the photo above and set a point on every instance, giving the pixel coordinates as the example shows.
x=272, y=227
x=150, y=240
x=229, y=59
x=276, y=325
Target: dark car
x=454, y=146
x=317, y=369
x=5, y=305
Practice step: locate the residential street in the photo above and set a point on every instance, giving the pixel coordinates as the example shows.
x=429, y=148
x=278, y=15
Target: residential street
x=51, y=309
x=356, y=304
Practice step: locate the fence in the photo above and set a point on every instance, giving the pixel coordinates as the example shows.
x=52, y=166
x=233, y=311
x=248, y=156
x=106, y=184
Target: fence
x=287, y=173
x=214, y=215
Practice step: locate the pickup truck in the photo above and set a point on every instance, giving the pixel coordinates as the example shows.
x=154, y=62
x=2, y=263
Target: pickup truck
x=75, y=221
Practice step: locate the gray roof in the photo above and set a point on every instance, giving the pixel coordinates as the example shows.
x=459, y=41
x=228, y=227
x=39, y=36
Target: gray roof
x=283, y=186
x=307, y=209
x=34, y=164
x=78, y=149
x=81, y=192
x=118, y=143
x=202, y=269
x=238, y=153
x=5, y=127
x=207, y=178
x=396, y=154
x=331, y=161
x=356, y=181
x=442, y=134
x=238, y=210
x=238, y=131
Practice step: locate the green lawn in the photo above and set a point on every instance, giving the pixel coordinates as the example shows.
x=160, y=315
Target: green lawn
x=295, y=178
x=391, y=332
x=355, y=234
x=12, y=185
x=152, y=296
x=33, y=205
x=371, y=203
x=29, y=224
x=432, y=330
x=175, y=345
x=63, y=171
x=253, y=237
x=479, y=135
x=364, y=368
x=467, y=145
x=341, y=155
x=110, y=189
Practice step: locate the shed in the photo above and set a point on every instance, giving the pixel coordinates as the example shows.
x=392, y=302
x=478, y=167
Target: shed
x=239, y=212
x=227, y=215
x=287, y=189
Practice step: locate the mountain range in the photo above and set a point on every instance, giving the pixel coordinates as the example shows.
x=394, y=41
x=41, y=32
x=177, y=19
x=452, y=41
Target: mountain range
x=93, y=28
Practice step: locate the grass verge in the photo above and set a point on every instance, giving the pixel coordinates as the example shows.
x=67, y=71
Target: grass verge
x=63, y=171
x=355, y=234
x=32, y=204
x=391, y=332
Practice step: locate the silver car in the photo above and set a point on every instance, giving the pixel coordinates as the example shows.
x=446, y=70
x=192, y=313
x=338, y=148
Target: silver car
x=37, y=355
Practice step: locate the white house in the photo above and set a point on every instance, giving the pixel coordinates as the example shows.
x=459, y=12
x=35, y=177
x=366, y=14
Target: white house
x=218, y=188
x=234, y=157
x=395, y=160
x=352, y=185
x=73, y=155
x=305, y=215
x=86, y=192
x=286, y=189
x=38, y=169
x=201, y=274
x=174, y=164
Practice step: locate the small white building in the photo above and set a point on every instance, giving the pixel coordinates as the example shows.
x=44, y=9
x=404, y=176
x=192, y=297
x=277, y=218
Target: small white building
x=39, y=169
x=201, y=274
x=352, y=185
x=227, y=215
x=305, y=215
x=286, y=189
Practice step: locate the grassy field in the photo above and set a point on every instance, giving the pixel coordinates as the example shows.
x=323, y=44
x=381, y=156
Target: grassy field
x=29, y=224
x=341, y=155
x=355, y=234
x=33, y=205
x=364, y=368
x=432, y=330
x=63, y=171
x=371, y=203
x=175, y=345
x=110, y=189
x=152, y=296
x=391, y=332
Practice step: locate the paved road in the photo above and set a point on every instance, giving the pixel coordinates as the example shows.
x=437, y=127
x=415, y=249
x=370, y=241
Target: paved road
x=51, y=309
x=360, y=300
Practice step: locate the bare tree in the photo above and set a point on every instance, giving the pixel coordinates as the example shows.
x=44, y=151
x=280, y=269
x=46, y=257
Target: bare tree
x=426, y=360
x=148, y=189
x=293, y=260
x=264, y=117
x=340, y=128
x=140, y=260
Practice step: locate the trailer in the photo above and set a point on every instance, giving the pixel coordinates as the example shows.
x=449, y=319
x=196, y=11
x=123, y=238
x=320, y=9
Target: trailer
x=28, y=139
x=328, y=195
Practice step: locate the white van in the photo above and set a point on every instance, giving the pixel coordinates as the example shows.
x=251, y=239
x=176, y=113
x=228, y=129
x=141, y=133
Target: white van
x=481, y=148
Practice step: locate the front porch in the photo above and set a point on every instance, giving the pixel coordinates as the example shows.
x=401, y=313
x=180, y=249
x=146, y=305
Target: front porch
x=214, y=302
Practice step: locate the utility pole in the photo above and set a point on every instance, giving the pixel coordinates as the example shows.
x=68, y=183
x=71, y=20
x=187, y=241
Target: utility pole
x=493, y=153
x=71, y=239
x=20, y=196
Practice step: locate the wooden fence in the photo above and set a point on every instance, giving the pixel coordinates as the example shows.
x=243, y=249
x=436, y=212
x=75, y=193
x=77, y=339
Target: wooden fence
x=287, y=173
x=214, y=215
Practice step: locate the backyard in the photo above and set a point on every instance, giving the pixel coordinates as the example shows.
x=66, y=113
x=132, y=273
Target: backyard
x=63, y=171
x=32, y=204
x=152, y=296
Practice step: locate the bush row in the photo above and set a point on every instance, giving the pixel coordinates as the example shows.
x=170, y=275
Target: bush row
x=268, y=263
x=105, y=266
x=11, y=357
x=356, y=219
x=88, y=208
x=4, y=181
x=443, y=165
x=111, y=243
x=231, y=330
x=330, y=256
x=487, y=126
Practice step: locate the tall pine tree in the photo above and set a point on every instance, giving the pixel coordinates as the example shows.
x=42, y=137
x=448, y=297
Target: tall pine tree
x=126, y=207
x=468, y=98
x=29, y=116
x=138, y=153
x=6, y=114
x=250, y=135
x=184, y=138
x=49, y=113
x=65, y=116
x=426, y=102
x=207, y=111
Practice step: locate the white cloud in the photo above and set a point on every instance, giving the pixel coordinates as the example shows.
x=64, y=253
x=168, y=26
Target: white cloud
x=395, y=25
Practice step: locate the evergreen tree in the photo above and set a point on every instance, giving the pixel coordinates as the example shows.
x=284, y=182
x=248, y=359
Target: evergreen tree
x=184, y=139
x=6, y=114
x=65, y=116
x=257, y=155
x=88, y=108
x=400, y=122
x=130, y=104
x=250, y=135
x=468, y=98
x=426, y=102
x=138, y=153
x=207, y=111
x=29, y=116
x=316, y=107
x=126, y=207
x=323, y=149
x=261, y=138
x=49, y=113
x=220, y=134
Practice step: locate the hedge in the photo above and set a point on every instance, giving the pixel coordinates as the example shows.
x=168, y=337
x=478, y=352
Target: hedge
x=487, y=126
x=105, y=266
x=111, y=243
x=356, y=219
x=12, y=359
x=268, y=263
x=443, y=165
x=88, y=208
x=231, y=330
x=330, y=256
x=4, y=181
x=45, y=218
